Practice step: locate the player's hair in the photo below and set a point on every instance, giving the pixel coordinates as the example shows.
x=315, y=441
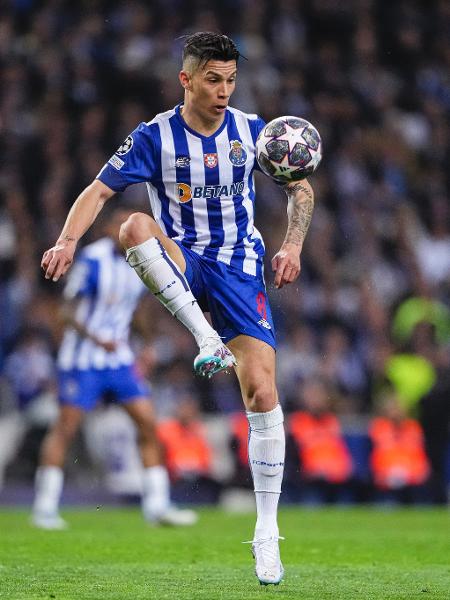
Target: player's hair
x=203, y=46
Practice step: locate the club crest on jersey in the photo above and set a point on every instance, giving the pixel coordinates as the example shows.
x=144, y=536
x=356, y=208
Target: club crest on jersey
x=184, y=192
x=210, y=160
x=182, y=162
x=237, y=154
x=126, y=146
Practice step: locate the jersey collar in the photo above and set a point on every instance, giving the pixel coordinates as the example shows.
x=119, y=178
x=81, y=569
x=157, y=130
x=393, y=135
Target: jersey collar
x=196, y=133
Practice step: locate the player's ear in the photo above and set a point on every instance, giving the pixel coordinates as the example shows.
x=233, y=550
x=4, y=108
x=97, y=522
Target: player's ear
x=185, y=79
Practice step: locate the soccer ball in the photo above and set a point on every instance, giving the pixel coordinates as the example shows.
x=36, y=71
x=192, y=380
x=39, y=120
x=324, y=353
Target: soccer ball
x=288, y=149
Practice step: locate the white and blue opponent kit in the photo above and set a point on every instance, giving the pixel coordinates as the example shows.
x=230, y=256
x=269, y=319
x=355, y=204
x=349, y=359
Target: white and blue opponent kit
x=202, y=195
x=107, y=293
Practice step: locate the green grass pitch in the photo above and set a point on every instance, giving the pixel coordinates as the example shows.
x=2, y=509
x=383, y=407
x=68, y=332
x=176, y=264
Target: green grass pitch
x=112, y=554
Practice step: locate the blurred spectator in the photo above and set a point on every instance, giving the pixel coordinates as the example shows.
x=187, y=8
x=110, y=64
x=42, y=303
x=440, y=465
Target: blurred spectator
x=412, y=376
x=398, y=460
x=323, y=461
x=30, y=368
x=413, y=311
x=341, y=365
x=239, y=431
x=29, y=372
x=298, y=359
x=435, y=420
x=188, y=454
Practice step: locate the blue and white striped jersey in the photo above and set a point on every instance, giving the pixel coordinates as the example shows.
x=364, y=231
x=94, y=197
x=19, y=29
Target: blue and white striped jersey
x=108, y=292
x=201, y=189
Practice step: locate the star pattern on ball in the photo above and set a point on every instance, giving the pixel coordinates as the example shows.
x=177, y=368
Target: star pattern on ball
x=282, y=169
x=290, y=136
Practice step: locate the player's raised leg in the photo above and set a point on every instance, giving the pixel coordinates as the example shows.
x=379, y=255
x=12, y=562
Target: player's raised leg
x=160, y=264
x=156, y=504
x=49, y=475
x=256, y=373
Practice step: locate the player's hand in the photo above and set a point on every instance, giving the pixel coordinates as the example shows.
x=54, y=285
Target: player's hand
x=108, y=346
x=57, y=260
x=286, y=264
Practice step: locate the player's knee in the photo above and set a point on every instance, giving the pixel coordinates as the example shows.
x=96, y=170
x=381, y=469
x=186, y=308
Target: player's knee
x=137, y=229
x=261, y=398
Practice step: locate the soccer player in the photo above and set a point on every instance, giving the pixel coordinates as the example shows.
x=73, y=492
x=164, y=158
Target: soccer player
x=201, y=250
x=95, y=358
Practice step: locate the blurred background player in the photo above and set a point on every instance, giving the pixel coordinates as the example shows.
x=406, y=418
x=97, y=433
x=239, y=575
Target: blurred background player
x=95, y=358
x=202, y=251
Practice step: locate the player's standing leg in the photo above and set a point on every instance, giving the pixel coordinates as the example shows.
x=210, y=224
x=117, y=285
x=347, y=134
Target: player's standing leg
x=256, y=373
x=156, y=504
x=49, y=475
x=160, y=264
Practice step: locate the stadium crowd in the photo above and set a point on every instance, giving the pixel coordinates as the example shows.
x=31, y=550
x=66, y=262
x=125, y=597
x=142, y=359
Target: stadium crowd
x=369, y=317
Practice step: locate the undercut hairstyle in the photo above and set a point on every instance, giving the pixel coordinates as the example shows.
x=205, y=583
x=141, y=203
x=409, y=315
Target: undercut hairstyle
x=203, y=46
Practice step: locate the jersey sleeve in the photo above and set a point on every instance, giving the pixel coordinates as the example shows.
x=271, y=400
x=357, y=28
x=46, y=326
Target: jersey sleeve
x=82, y=279
x=256, y=126
x=133, y=162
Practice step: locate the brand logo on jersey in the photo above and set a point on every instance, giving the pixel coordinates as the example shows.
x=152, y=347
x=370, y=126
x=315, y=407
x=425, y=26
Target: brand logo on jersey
x=184, y=192
x=210, y=160
x=264, y=324
x=126, y=146
x=237, y=154
x=116, y=162
x=183, y=162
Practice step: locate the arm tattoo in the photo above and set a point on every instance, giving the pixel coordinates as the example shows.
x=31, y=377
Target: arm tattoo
x=300, y=210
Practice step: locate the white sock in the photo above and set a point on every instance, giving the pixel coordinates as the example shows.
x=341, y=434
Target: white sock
x=155, y=492
x=266, y=450
x=49, y=482
x=164, y=278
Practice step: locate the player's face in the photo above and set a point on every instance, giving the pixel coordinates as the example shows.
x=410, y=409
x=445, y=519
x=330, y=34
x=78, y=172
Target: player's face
x=210, y=88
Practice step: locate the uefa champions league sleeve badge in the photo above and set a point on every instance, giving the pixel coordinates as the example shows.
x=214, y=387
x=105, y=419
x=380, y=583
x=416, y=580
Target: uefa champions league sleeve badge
x=125, y=147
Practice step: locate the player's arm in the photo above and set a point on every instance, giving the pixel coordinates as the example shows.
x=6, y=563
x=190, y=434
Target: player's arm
x=286, y=262
x=67, y=315
x=57, y=260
